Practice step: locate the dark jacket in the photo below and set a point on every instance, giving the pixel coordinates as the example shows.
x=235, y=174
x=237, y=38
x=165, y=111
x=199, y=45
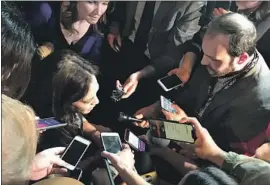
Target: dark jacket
x=44, y=18
x=174, y=23
x=236, y=115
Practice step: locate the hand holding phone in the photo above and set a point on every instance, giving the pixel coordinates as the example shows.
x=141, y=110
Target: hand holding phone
x=170, y=82
x=134, y=141
x=111, y=142
x=45, y=161
x=118, y=92
x=124, y=158
x=166, y=104
x=112, y=145
x=75, y=151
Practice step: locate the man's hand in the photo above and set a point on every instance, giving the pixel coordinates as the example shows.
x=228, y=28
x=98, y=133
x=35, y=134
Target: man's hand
x=220, y=11
x=182, y=74
x=44, y=162
x=111, y=37
x=263, y=152
x=188, y=150
x=205, y=147
x=147, y=112
x=130, y=85
x=122, y=160
x=177, y=116
x=184, y=71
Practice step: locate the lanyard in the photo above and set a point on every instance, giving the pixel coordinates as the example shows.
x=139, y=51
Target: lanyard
x=230, y=82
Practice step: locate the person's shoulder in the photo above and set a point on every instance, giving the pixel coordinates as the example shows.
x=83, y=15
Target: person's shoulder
x=46, y=9
x=189, y=5
x=41, y=11
x=263, y=72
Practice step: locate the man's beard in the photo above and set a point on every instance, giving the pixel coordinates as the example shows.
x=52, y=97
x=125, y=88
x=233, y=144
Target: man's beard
x=213, y=73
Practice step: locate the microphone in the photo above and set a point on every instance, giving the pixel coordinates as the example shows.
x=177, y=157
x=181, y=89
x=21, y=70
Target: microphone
x=123, y=117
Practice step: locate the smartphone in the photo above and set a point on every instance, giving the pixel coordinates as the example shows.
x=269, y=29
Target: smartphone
x=111, y=142
x=49, y=123
x=134, y=141
x=172, y=130
x=75, y=151
x=170, y=82
x=166, y=104
x=76, y=174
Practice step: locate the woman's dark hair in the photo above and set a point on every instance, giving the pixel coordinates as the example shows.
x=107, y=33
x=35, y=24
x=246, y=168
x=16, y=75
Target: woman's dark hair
x=208, y=176
x=70, y=15
x=17, y=50
x=70, y=83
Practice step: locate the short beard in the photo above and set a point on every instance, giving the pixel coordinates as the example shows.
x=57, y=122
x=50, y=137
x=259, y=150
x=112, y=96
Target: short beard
x=213, y=73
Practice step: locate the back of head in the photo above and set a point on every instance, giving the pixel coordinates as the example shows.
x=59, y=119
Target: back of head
x=208, y=176
x=240, y=31
x=71, y=82
x=17, y=51
x=19, y=141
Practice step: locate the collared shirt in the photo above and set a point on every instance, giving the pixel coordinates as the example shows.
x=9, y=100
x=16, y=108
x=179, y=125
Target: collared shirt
x=137, y=18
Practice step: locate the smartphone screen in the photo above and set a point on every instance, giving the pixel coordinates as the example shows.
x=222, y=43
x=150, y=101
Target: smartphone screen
x=172, y=131
x=49, y=123
x=134, y=141
x=171, y=81
x=166, y=104
x=74, y=153
x=112, y=143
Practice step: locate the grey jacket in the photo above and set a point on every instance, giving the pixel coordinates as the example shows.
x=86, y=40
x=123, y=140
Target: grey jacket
x=247, y=170
x=173, y=24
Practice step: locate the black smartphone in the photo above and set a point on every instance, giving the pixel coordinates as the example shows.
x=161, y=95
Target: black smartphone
x=75, y=151
x=170, y=82
x=172, y=130
x=133, y=140
x=49, y=123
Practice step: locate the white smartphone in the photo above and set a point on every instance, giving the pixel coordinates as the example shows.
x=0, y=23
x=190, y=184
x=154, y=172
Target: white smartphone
x=166, y=104
x=75, y=151
x=134, y=141
x=170, y=82
x=111, y=142
x=49, y=123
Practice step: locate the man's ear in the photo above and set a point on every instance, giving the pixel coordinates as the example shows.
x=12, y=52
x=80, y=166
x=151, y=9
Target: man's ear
x=243, y=58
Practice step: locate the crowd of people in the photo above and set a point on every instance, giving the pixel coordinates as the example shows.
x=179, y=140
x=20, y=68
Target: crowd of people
x=63, y=59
